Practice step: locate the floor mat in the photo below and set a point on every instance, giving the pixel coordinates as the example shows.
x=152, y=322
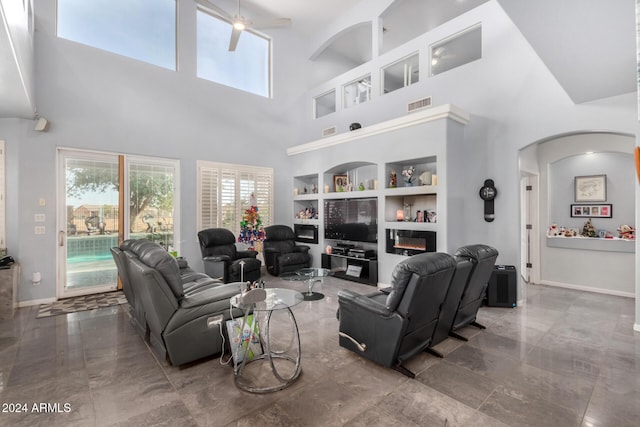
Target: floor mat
x=82, y=303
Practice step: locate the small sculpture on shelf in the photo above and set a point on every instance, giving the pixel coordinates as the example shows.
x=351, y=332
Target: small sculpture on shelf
x=553, y=231
x=588, y=230
x=407, y=175
x=314, y=188
x=425, y=178
x=627, y=232
x=307, y=213
x=393, y=180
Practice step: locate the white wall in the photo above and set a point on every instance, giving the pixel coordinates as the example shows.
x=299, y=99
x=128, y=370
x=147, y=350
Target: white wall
x=101, y=101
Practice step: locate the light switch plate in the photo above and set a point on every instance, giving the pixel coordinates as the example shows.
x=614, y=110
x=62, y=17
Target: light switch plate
x=39, y=229
x=39, y=217
x=42, y=202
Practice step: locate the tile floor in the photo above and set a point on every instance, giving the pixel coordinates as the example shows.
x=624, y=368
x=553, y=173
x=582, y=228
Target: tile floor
x=567, y=358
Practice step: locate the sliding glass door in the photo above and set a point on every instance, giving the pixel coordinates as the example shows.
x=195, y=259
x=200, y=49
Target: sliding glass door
x=103, y=199
x=90, y=210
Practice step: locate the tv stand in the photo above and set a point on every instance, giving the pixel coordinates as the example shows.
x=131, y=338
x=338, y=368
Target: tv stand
x=361, y=270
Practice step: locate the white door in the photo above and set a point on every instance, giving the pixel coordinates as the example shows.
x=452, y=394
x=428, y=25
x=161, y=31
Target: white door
x=88, y=222
x=529, y=239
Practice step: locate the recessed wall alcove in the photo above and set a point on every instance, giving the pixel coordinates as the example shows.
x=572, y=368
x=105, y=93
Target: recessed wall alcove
x=550, y=167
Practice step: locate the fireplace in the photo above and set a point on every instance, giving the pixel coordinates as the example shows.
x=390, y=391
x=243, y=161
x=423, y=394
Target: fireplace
x=306, y=233
x=410, y=242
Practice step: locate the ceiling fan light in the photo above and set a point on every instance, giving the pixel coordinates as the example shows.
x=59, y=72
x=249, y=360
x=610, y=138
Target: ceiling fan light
x=239, y=25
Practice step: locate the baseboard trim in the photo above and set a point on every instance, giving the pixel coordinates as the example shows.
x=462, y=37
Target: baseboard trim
x=588, y=289
x=36, y=302
x=636, y=327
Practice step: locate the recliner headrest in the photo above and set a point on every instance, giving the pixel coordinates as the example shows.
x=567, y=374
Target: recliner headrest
x=422, y=265
x=477, y=252
x=155, y=256
x=279, y=232
x=215, y=237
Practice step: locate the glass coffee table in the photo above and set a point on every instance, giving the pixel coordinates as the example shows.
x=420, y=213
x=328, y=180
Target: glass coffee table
x=259, y=344
x=310, y=276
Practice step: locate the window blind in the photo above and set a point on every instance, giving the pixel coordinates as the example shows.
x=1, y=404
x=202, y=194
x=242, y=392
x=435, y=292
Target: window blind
x=224, y=193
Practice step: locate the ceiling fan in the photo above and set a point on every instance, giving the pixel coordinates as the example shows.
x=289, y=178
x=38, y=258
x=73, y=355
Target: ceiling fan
x=240, y=23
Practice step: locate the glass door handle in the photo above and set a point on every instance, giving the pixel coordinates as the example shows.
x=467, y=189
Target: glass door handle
x=61, y=238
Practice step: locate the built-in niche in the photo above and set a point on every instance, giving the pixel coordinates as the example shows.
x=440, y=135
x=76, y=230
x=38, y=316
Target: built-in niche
x=404, y=20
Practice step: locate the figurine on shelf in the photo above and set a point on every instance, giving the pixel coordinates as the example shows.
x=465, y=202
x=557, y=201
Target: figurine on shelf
x=314, y=188
x=553, y=230
x=393, y=180
x=588, y=230
x=627, y=232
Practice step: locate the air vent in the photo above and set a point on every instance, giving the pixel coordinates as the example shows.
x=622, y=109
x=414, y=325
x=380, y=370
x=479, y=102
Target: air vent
x=421, y=103
x=329, y=131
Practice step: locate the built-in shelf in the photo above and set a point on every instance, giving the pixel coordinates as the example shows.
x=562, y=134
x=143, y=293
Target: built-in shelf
x=430, y=140
x=592, y=244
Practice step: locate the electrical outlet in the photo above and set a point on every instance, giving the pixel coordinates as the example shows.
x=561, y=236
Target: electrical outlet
x=215, y=321
x=39, y=229
x=39, y=218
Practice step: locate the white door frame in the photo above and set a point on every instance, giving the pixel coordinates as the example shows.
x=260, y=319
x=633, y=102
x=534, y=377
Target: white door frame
x=61, y=257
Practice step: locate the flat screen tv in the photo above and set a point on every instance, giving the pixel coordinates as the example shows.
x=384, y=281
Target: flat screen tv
x=354, y=220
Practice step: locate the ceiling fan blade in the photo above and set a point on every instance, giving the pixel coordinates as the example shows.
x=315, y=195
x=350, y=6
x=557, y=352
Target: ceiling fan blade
x=207, y=4
x=271, y=23
x=233, y=43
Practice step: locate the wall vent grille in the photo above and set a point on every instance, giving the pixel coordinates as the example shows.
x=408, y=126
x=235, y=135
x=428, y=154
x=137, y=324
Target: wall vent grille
x=329, y=131
x=419, y=104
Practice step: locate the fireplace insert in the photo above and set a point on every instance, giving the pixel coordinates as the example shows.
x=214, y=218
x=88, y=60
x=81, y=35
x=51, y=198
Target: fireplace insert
x=410, y=242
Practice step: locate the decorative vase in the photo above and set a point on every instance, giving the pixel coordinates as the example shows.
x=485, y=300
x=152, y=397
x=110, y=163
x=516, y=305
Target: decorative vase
x=408, y=184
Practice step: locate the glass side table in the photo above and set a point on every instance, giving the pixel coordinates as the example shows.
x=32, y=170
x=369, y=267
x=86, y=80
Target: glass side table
x=310, y=276
x=283, y=365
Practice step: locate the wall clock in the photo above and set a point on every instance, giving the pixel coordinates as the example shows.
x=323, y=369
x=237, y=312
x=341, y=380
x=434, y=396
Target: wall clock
x=488, y=193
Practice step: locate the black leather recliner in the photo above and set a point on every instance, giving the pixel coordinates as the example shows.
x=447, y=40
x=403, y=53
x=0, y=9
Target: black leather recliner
x=483, y=258
x=391, y=328
x=281, y=254
x=451, y=302
x=223, y=260
x=175, y=306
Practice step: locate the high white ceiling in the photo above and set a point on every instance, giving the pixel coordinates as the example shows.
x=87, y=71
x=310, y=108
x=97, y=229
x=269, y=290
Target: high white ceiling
x=589, y=46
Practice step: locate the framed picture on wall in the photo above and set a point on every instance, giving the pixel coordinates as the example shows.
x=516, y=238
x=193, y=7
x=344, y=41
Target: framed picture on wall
x=340, y=182
x=591, y=211
x=591, y=188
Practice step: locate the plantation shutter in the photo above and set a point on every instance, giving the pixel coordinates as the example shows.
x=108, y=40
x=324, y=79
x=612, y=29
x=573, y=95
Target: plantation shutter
x=228, y=197
x=224, y=193
x=208, y=197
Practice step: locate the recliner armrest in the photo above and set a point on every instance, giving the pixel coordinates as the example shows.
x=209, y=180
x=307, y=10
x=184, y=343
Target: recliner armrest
x=246, y=254
x=364, y=302
x=217, y=258
x=301, y=248
x=271, y=251
x=210, y=294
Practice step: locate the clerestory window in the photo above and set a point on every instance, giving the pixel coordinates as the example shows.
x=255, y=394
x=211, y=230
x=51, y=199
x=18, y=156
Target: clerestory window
x=248, y=68
x=140, y=29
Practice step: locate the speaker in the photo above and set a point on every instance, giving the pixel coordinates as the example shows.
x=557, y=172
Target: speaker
x=41, y=124
x=502, y=289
